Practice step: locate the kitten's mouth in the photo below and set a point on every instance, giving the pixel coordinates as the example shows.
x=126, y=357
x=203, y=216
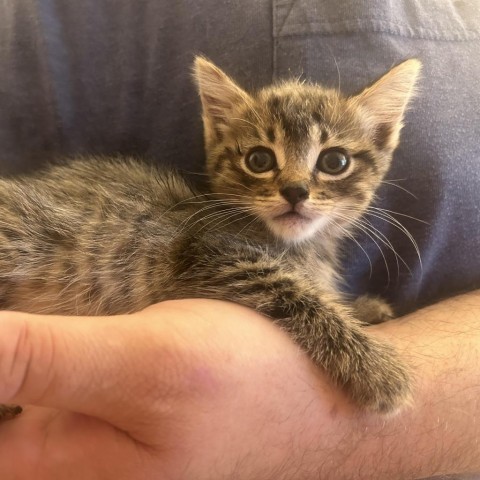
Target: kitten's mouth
x=293, y=226
x=295, y=216
x=292, y=221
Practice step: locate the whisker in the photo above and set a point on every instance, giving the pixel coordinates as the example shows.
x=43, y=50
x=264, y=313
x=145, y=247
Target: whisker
x=255, y=218
x=365, y=230
x=235, y=220
x=398, y=213
x=387, y=243
x=222, y=175
x=381, y=213
x=383, y=238
x=386, y=182
x=349, y=235
x=394, y=222
x=227, y=217
x=186, y=220
x=184, y=225
x=169, y=209
x=336, y=65
x=194, y=173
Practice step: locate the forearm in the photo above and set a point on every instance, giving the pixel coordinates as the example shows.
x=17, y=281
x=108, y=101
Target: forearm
x=440, y=432
x=294, y=424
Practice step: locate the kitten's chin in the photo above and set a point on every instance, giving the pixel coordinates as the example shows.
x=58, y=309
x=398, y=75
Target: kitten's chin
x=292, y=227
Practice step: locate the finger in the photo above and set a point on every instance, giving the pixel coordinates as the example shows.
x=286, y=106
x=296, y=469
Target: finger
x=87, y=365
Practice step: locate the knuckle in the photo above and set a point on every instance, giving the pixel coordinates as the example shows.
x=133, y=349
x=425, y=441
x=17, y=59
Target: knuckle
x=24, y=350
x=15, y=354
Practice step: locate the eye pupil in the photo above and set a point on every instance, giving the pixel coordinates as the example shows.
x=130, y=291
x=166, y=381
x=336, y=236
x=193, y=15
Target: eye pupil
x=260, y=160
x=333, y=162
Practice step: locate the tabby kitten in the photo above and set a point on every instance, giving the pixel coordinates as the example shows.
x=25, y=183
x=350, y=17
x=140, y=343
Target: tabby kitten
x=291, y=168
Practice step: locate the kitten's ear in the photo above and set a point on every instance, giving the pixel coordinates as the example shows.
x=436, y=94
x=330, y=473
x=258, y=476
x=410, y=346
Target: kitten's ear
x=219, y=94
x=385, y=101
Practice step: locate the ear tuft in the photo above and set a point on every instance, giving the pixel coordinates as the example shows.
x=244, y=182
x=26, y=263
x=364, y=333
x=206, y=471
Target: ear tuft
x=385, y=102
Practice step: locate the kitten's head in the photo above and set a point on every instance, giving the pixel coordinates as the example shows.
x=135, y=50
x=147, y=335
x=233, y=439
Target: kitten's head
x=300, y=157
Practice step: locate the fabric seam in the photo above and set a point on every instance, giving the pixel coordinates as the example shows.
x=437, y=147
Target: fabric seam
x=375, y=27
x=375, y=24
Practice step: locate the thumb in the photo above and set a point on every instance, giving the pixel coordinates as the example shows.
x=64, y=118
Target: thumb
x=89, y=365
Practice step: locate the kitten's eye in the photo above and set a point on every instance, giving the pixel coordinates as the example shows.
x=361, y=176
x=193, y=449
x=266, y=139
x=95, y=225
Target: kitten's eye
x=333, y=162
x=260, y=159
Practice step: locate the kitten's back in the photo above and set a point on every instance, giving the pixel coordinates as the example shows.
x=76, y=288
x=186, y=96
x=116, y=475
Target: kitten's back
x=82, y=238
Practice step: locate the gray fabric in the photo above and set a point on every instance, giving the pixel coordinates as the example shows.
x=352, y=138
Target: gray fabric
x=112, y=76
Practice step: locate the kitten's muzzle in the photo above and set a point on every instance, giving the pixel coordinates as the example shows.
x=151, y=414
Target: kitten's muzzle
x=295, y=193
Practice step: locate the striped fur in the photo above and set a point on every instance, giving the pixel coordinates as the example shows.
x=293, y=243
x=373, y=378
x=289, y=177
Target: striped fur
x=105, y=236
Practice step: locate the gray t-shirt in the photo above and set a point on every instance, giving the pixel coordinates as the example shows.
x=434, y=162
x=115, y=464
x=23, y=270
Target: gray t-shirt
x=113, y=76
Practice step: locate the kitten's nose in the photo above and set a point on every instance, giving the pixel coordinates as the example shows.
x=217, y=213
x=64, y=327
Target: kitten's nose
x=295, y=193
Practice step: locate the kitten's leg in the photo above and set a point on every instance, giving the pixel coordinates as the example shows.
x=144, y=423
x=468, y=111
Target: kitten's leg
x=7, y=412
x=371, y=371
x=372, y=310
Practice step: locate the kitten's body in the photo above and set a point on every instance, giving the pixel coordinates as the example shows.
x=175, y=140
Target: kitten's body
x=102, y=236
x=107, y=236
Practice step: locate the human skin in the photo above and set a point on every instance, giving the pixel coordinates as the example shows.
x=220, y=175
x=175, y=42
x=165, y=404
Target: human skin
x=207, y=390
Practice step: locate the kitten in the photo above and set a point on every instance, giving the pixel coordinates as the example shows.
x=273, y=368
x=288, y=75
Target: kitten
x=290, y=168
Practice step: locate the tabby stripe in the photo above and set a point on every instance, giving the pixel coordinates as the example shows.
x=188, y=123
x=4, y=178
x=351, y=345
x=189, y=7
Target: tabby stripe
x=323, y=136
x=368, y=158
x=271, y=134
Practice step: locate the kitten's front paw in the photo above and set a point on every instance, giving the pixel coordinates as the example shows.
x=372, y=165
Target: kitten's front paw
x=372, y=310
x=371, y=371
x=7, y=412
x=380, y=383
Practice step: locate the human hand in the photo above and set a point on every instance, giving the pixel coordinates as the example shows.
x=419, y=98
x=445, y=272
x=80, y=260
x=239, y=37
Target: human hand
x=199, y=389
x=193, y=389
